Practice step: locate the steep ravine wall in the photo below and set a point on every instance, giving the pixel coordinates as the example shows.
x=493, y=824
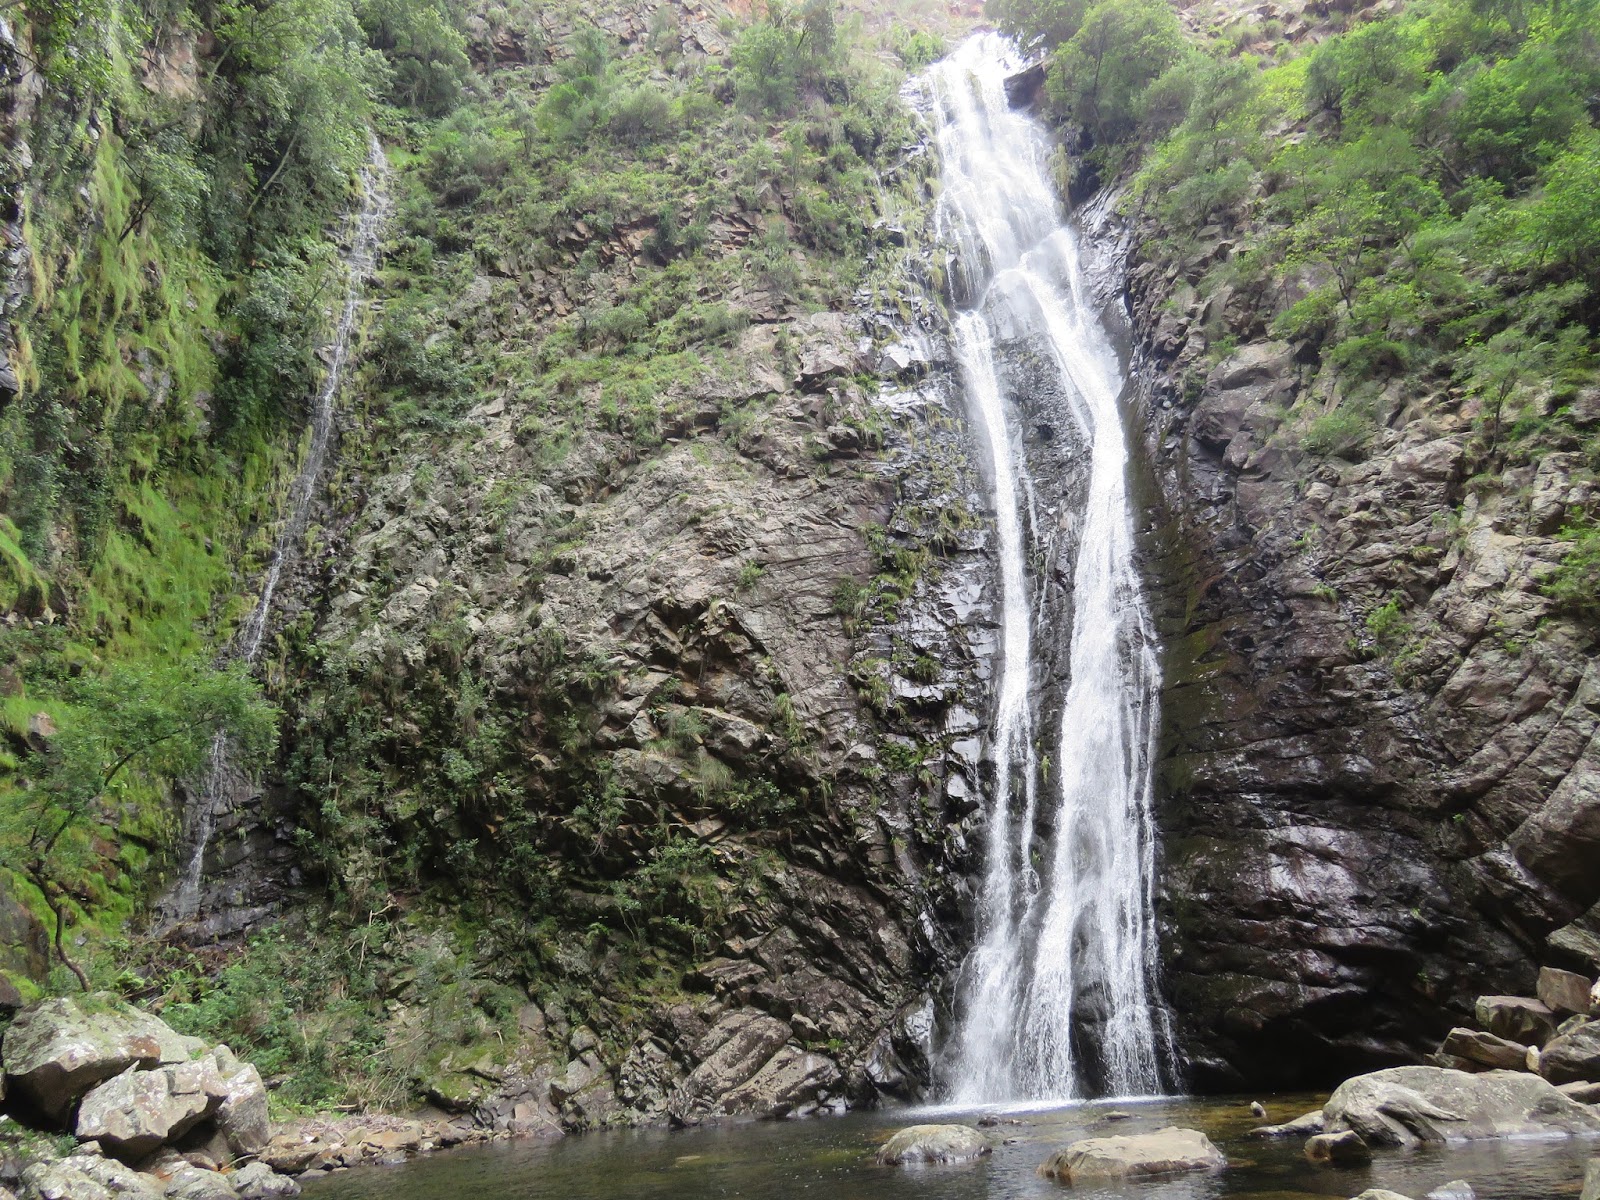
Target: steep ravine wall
x=1364, y=827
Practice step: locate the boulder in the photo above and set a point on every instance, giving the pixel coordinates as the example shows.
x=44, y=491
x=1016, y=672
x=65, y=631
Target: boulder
x=257, y=1181
x=1572, y=1057
x=195, y=1183
x=1164, y=1152
x=1476, y=1046
x=57, y=1050
x=86, y=1177
x=1516, y=1018
x=1304, y=1126
x=1563, y=992
x=1583, y=1093
x=933, y=1144
x=1338, y=1149
x=1456, y=1189
x=1380, y=1194
x=138, y=1112
x=1406, y=1106
x=1591, y=1181
x=241, y=1118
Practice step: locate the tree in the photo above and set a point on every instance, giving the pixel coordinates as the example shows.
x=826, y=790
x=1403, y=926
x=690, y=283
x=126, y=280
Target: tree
x=427, y=54
x=1038, y=24
x=157, y=723
x=1101, y=76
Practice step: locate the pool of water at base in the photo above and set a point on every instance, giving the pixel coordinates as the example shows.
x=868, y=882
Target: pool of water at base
x=831, y=1158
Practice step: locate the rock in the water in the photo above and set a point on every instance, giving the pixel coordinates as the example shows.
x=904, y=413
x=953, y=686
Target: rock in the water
x=1476, y=1046
x=1163, y=1152
x=1380, y=1194
x=1338, y=1149
x=1591, y=1181
x=934, y=1144
x=57, y=1050
x=1405, y=1106
x=257, y=1181
x=1456, y=1189
x=86, y=1177
x=1303, y=1126
x=1572, y=1057
x=1563, y=992
x=1516, y=1019
x=1257, y=1109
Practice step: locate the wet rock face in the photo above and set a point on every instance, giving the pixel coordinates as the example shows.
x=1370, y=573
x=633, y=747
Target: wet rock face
x=1378, y=780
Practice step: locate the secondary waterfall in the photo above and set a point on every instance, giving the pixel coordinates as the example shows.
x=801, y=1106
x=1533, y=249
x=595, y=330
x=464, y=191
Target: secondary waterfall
x=221, y=779
x=1057, y=998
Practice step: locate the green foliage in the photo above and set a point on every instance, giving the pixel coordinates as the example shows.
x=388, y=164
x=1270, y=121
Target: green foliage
x=1575, y=583
x=1342, y=433
x=122, y=731
x=1101, y=76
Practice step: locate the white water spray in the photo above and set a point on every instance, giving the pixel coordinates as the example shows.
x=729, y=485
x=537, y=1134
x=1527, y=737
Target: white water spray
x=183, y=901
x=1057, y=998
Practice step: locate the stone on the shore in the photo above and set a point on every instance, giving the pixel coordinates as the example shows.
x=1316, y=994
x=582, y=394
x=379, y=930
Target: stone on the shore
x=1516, y=1018
x=241, y=1118
x=934, y=1144
x=138, y=1112
x=1302, y=1126
x=86, y=1177
x=1338, y=1149
x=1572, y=1057
x=1406, y=1106
x=1563, y=992
x=1487, y=1049
x=57, y=1050
x=189, y=1182
x=1164, y=1152
x=257, y=1181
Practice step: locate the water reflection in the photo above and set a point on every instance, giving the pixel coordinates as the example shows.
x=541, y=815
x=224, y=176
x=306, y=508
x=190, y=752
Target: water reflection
x=827, y=1159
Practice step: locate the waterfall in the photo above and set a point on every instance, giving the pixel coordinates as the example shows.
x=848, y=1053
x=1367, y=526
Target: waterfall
x=222, y=779
x=1057, y=998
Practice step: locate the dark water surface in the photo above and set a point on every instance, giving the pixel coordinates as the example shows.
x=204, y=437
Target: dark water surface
x=831, y=1159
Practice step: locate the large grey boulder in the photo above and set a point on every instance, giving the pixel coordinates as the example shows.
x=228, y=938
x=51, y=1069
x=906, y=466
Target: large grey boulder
x=1406, y=1106
x=241, y=1117
x=933, y=1144
x=1164, y=1152
x=86, y=1177
x=57, y=1050
x=138, y=1112
x=1572, y=1057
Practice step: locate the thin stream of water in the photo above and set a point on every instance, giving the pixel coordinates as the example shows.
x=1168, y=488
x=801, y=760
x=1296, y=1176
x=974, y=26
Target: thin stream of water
x=183, y=901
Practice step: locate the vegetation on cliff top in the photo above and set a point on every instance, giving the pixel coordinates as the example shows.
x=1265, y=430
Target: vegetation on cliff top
x=1421, y=190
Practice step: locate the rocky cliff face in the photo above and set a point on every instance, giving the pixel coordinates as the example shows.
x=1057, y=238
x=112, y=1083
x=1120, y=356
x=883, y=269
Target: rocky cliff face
x=683, y=722
x=1379, y=759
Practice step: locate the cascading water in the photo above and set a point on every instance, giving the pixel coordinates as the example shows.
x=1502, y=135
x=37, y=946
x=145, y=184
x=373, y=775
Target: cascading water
x=222, y=777
x=1057, y=998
